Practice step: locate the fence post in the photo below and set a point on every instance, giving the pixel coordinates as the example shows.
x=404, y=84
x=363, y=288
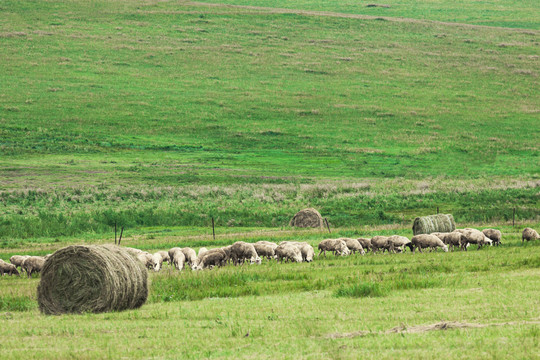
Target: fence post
x=213, y=229
x=121, y=232
x=327, y=225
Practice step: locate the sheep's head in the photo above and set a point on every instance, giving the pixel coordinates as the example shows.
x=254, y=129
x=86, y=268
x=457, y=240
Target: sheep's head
x=255, y=260
x=309, y=255
x=445, y=248
x=345, y=250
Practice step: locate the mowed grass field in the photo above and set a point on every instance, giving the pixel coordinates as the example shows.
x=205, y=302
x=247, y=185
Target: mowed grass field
x=160, y=115
x=373, y=306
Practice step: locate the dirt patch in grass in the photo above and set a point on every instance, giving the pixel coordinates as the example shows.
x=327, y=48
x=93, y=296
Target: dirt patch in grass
x=443, y=325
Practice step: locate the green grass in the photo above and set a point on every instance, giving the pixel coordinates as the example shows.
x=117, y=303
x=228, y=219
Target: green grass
x=313, y=310
x=503, y=13
x=165, y=114
x=159, y=115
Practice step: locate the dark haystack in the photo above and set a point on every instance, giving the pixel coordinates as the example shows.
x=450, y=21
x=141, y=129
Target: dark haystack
x=434, y=223
x=307, y=218
x=78, y=279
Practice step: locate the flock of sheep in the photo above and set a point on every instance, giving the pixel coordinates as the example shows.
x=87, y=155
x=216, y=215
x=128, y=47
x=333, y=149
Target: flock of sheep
x=293, y=251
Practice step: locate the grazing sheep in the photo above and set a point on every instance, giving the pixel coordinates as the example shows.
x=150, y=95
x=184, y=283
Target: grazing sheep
x=529, y=234
x=177, y=258
x=306, y=250
x=190, y=255
x=146, y=259
x=33, y=264
x=17, y=260
x=399, y=243
x=381, y=242
x=6, y=268
x=264, y=250
x=288, y=252
x=336, y=246
x=211, y=258
x=493, y=234
x=165, y=256
x=488, y=241
x=241, y=251
x=354, y=245
x=227, y=250
x=427, y=241
x=471, y=236
x=202, y=251
x=269, y=243
x=133, y=251
x=366, y=243
x=172, y=252
x=157, y=261
x=452, y=239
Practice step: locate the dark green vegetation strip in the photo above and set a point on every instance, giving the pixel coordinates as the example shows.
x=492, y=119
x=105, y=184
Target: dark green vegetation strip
x=31, y=214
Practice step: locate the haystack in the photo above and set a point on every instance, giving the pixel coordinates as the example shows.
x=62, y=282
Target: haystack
x=434, y=223
x=78, y=279
x=307, y=218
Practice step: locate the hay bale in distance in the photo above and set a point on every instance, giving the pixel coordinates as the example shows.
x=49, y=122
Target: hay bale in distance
x=434, y=223
x=307, y=218
x=79, y=278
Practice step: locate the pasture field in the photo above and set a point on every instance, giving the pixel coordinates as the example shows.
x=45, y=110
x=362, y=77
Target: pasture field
x=375, y=306
x=160, y=115
x=166, y=113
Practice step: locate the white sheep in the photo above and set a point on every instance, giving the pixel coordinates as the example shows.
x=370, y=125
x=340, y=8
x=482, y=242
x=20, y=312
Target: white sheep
x=288, y=252
x=336, y=246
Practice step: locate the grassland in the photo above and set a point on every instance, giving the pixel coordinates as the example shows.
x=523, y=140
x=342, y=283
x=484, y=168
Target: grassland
x=241, y=116
x=158, y=115
x=331, y=308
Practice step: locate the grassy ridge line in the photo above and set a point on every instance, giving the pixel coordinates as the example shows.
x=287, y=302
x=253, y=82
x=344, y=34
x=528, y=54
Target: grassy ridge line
x=305, y=12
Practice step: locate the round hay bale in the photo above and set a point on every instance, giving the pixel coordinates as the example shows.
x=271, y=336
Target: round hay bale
x=307, y=218
x=79, y=278
x=434, y=223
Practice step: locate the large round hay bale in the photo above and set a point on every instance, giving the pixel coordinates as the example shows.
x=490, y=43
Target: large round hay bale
x=434, y=223
x=79, y=278
x=307, y=218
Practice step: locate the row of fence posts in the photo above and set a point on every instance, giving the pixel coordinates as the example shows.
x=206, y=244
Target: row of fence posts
x=325, y=222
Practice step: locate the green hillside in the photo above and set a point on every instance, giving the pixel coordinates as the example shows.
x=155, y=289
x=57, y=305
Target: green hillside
x=96, y=96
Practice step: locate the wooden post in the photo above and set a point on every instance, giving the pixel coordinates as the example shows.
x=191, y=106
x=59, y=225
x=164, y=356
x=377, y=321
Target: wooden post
x=514, y=217
x=327, y=225
x=213, y=229
x=121, y=232
x=115, y=233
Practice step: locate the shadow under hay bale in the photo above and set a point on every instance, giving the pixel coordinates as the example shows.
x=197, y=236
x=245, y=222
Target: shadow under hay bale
x=78, y=279
x=434, y=223
x=307, y=218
